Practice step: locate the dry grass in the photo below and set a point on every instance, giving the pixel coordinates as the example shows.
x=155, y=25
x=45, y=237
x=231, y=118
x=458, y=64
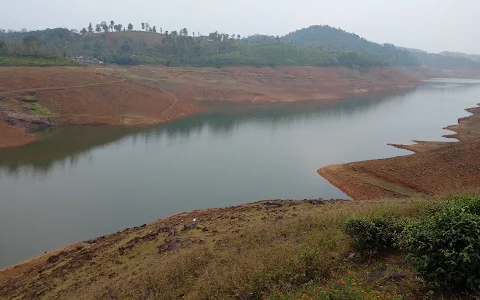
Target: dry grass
x=266, y=256
x=254, y=251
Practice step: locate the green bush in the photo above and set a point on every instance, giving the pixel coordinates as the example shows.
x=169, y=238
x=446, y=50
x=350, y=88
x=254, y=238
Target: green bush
x=445, y=247
x=373, y=234
x=470, y=202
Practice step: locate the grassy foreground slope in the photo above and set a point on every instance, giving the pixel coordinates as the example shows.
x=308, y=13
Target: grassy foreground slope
x=264, y=250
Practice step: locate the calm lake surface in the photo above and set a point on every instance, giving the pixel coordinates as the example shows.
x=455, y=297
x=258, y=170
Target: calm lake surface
x=79, y=183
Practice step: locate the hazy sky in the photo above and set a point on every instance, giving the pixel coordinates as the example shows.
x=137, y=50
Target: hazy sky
x=432, y=25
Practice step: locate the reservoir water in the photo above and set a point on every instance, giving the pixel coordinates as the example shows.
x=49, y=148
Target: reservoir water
x=81, y=182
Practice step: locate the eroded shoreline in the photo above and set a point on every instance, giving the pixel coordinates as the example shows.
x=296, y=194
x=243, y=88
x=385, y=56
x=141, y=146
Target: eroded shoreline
x=31, y=98
x=434, y=168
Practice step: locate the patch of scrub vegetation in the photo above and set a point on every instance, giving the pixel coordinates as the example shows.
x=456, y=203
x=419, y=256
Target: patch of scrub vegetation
x=36, y=61
x=31, y=98
x=39, y=110
x=346, y=251
x=388, y=185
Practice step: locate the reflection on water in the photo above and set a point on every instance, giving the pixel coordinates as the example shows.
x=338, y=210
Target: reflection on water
x=63, y=147
x=81, y=182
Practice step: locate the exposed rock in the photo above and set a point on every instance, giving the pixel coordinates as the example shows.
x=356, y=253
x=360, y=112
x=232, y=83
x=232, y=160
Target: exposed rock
x=320, y=201
x=397, y=276
x=53, y=259
x=377, y=274
x=269, y=205
x=167, y=247
x=190, y=225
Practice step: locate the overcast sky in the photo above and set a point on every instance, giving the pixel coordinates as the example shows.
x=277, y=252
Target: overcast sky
x=432, y=25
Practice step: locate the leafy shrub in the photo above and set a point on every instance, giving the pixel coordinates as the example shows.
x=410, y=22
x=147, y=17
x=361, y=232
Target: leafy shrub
x=445, y=247
x=469, y=202
x=374, y=234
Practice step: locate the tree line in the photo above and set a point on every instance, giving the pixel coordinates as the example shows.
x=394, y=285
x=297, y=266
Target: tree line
x=182, y=48
x=30, y=52
x=111, y=27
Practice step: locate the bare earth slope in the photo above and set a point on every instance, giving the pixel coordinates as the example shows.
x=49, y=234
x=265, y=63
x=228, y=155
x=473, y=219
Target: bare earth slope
x=435, y=168
x=270, y=84
x=36, y=97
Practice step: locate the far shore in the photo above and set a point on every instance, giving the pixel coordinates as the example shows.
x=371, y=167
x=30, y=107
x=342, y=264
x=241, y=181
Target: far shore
x=434, y=168
x=33, y=98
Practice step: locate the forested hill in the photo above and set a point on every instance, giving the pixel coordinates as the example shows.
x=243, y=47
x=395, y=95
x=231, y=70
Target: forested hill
x=330, y=38
x=174, y=49
x=474, y=57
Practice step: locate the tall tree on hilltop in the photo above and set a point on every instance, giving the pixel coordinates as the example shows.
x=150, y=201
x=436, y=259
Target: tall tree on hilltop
x=184, y=32
x=3, y=47
x=83, y=31
x=104, y=25
x=98, y=28
x=154, y=29
x=112, y=25
x=143, y=26
x=90, y=28
x=130, y=26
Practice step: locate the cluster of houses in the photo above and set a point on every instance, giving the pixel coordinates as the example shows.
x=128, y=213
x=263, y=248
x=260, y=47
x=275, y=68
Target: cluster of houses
x=87, y=60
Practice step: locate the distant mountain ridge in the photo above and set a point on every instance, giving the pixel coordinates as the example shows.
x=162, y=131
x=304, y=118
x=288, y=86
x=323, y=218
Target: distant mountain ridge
x=445, y=59
x=318, y=45
x=330, y=38
x=474, y=57
x=176, y=48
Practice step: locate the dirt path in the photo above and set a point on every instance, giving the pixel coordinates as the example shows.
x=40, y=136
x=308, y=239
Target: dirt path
x=175, y=102
x=60, y=88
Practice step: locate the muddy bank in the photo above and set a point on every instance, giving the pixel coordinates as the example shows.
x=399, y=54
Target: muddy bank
x=32, y=98
x=11, y=136
x=435, y=168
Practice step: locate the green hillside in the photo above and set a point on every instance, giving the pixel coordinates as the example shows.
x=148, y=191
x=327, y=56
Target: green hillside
x=181, y=49
x=440, y=61
x=474, y=57
x=330, y=38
